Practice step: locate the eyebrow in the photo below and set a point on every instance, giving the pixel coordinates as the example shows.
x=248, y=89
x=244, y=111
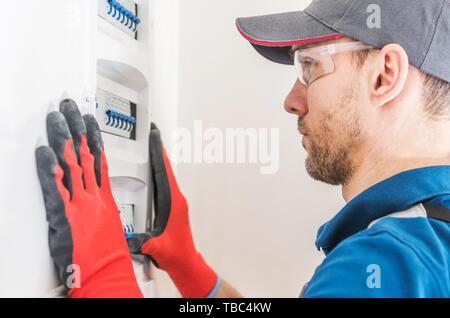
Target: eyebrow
x=294, y=48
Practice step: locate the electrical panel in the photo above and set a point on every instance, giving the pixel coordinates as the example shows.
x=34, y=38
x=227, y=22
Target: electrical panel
x=122, y=109
x=123, y=14
x=116, y=115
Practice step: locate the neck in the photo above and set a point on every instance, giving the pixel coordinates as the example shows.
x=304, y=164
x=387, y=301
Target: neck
x=398, y=151
x=371, y=172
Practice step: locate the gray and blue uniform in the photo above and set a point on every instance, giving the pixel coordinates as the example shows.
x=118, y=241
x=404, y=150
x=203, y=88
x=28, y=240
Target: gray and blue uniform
x=392, y=240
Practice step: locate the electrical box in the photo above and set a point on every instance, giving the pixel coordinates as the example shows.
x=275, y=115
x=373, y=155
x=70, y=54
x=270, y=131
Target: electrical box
x=123, y=110
x=123, y=14
x=116, y=115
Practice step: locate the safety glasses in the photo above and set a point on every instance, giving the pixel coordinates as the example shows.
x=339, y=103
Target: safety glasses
x=314, y=63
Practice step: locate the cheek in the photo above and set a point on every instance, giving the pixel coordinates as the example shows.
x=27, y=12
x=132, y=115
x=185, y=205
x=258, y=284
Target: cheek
x=325, y=112
x=321, y=99
x=327, y=94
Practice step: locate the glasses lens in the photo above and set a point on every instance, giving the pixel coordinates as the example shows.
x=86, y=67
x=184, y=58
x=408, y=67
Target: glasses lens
x=302, y=77
x=310, y=67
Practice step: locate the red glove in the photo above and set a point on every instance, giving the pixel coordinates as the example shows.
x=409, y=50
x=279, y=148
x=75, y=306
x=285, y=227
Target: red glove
x=170, y=244
x=84, y=224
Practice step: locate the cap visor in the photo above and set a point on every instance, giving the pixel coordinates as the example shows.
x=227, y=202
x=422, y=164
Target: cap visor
x=272, y=35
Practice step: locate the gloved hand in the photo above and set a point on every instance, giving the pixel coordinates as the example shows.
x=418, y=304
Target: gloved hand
x=170, y=244
x=86, y=238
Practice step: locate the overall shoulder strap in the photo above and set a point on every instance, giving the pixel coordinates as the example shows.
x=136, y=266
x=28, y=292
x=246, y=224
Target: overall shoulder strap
x=438, y=212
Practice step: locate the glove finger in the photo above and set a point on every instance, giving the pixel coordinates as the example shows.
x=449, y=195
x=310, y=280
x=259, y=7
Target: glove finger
x=96, y=146
x=161, y=188
x=77, y=129
x=95, y=142
x=55, y=196
x=75, y=123
x=60, y=141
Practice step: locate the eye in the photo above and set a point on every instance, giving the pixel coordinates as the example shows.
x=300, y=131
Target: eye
x=306, y=61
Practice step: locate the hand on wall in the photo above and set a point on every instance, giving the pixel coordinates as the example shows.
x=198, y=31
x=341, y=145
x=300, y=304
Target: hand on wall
x=86, y=238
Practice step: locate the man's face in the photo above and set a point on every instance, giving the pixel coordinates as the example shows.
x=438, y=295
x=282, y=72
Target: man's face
x=329, y=119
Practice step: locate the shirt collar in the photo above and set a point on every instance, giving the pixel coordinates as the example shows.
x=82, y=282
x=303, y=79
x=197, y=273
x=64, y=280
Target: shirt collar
x=394, y=194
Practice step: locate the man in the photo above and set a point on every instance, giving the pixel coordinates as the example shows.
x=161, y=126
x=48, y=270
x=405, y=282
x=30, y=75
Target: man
x=373, y=105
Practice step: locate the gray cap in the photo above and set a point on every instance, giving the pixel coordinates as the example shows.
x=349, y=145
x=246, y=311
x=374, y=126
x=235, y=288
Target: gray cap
x=421, y=27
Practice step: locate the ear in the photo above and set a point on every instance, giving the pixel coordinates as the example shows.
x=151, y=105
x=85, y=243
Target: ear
x=390, y=74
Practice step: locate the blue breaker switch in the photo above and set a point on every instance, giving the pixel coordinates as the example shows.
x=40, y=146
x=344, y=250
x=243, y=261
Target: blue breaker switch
x=136, y=21
x=133, y=122
x=117, y=115
x=122, y=14
x=122, y=120
x=119, y=120
x=108, y=114
x=127, y=123
x=127, y=16
x=114, y=6
x=120, y=10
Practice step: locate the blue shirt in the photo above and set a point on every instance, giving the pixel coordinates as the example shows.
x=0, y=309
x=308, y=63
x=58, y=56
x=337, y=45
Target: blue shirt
x=395, y=257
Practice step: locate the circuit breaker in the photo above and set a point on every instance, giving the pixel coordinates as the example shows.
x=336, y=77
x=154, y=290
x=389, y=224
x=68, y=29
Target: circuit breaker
x=123, y=14
x=116, y=115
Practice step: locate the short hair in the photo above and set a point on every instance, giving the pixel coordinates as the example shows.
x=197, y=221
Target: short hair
x=435, y=92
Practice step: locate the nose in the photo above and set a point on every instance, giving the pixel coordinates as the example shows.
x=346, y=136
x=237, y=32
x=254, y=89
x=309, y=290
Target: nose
x=295, y=103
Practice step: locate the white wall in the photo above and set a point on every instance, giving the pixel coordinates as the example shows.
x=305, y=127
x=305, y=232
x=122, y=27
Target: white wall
x=46, y=55
x=257, y=231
